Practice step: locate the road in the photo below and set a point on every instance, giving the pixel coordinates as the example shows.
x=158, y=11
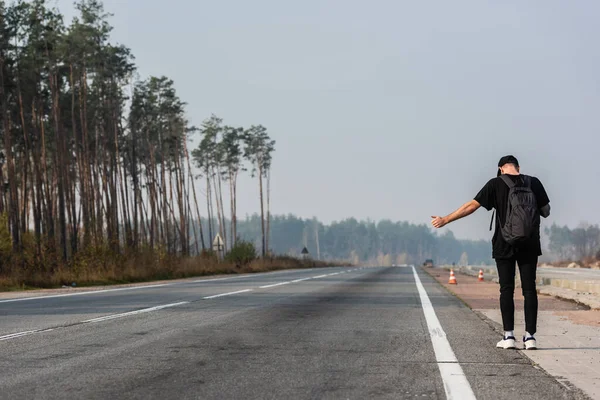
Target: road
x=573, y=274
x=335, y=333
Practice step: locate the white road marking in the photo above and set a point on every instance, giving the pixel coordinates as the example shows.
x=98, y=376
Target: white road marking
x=220, y=279
x=456, y=384
x=274, y=285
x=208, y=280
x=127, y=314
x=301, y=280
x=150, y=309
x=54, y=296
x=16, y=335
x=226, y=294
x=21, y=334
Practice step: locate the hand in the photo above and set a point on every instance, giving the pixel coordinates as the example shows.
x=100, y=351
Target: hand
x=438, y=222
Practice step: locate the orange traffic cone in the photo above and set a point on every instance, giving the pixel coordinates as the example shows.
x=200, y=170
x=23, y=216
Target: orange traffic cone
x=480, y=279
x=452, y=280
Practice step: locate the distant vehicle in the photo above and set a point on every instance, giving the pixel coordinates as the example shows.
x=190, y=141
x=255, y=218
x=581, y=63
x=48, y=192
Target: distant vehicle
x=428, y=263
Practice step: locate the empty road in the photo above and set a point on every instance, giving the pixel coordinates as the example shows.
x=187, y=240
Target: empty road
x=335, y=333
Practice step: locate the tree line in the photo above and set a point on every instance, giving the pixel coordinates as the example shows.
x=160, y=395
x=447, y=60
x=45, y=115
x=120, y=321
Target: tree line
x=91, y=155
x=574, y=244
x=365, y=242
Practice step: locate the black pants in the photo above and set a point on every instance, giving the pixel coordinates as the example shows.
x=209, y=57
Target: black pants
x=506, y=273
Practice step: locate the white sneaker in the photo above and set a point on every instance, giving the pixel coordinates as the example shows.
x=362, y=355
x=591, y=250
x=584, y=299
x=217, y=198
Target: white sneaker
x=529, y=343
x=507, y=343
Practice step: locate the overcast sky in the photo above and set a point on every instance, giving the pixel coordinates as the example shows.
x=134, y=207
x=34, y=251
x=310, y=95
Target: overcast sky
x=388, y=109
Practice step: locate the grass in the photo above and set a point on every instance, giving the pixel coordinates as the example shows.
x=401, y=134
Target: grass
x=104, y=268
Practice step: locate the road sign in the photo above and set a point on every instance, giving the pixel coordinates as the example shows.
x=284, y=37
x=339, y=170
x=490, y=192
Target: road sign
x=218, y=246
x=218, y=242
x=304, y=253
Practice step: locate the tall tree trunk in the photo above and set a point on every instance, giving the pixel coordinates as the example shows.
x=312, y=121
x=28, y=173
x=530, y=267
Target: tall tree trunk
x=13, y=198
x=219, y=219
x=187, y=156
x=136, y=194
x=2, y=189
x=222, y=222
x=209, y=209
x=179, y=179
x=234, y=217
x=232, y=211
x=268, y=209
x=262, y=209
x=168, y=240
x=79, y=161
x=61, y=163
x=24, y=163
x=37, y=184
x=47, y=183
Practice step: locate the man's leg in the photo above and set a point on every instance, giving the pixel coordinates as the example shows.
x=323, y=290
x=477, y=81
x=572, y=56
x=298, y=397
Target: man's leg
x=527, y=269
x=506, y=275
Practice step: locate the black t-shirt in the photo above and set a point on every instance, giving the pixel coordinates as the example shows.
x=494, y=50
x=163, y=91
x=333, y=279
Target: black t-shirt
x=495, y=195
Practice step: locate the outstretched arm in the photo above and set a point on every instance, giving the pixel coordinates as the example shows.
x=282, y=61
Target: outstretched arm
x=465, y=210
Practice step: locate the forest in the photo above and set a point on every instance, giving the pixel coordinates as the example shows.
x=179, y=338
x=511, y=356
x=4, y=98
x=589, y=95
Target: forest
x=581, y=243
x=92, y=155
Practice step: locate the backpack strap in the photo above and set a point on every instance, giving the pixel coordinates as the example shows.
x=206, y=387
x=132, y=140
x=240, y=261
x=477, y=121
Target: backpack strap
x=508, y=181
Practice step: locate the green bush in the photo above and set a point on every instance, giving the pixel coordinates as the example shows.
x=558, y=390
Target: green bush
x=242, y=253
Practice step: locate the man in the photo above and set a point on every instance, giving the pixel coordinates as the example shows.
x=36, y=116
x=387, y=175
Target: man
x=512, y=247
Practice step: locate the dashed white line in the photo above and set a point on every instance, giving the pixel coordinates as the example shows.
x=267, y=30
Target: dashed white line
x=127, y=314
x=301, y=280
x=274, y=285
x=455, y=382
x=227, y=294
x=220, y=279
x=207, y=280
x=150, y=309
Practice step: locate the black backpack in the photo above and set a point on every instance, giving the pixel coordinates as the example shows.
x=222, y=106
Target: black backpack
x=522, y=213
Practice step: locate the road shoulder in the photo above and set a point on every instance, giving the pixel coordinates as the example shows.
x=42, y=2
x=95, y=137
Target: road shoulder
x=569, y=334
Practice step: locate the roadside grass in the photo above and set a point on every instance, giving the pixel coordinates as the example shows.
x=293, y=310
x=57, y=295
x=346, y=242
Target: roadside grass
x=105, y=268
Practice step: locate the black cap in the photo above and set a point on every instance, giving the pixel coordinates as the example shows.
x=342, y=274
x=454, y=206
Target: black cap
x=507, y=160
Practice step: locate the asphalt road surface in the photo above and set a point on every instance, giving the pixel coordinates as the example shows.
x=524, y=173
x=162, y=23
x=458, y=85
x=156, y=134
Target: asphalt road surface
x=335, y=333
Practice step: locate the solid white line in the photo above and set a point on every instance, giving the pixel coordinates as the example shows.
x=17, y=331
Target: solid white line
x=274, y=285
x=54, y=296
x=21, y=334
x=226, y=294
x=16, y=335
x=127, y=314
x=320, y=276
x=456, y=384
